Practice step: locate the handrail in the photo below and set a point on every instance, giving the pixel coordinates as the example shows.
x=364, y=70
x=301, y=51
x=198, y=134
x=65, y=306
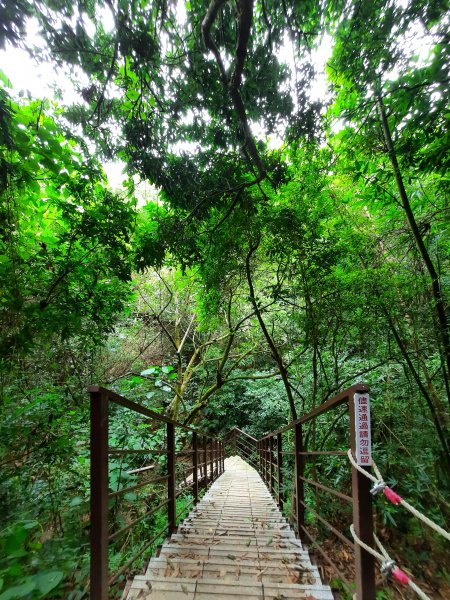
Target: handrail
x=334, y=402
x=204, y=472
x=121, y=401
x=244, y=442
x=244, y=433
x=269, y=463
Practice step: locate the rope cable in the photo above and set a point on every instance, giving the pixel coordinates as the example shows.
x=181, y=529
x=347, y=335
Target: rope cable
x=394, y=498
x=388, y=565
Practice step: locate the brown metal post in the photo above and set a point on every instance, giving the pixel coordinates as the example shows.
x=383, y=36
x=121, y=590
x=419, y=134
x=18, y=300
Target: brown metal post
x=266, y=460
x=223, y=457
x=263, y=463
x=205, y=462
x=171, y=480
x=99, y=496
x=262, y=460
x=362, y=521
x=217, y=458
x=258, y=450
x=195, y=466
x=205, y=450
x=271, y=466
x=299, y=487
x=235, y=442
x=200, y=466
x=217, y=445
x=280, y=470
x=266, y=464
x=211, y=460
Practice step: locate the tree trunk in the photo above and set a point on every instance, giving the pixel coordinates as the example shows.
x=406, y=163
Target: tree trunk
x=435, y=283
x=437, y=424
x=274, y=350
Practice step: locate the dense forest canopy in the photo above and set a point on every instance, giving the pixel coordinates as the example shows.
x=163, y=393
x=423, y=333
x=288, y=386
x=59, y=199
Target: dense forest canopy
x=295, y=241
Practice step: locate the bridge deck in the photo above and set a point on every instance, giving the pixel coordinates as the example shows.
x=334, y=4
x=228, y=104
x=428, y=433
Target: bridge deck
x=234, y=544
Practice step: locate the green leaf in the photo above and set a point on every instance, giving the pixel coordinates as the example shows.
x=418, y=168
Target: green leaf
x=76, y=501
x=4, y=79
x=19, y=591
x=15, y=540
x=149, y=371
x=47, y=581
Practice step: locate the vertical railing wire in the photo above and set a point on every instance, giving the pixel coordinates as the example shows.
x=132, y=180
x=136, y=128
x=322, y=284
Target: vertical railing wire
x=195, y=466
x=171, y=479
x=280, y=470
x=205, y=461
x=272, y=466
x=299, y=487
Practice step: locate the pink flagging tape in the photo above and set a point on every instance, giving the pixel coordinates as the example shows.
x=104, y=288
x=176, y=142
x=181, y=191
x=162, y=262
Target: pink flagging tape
x=400, y=576
x=392, y=496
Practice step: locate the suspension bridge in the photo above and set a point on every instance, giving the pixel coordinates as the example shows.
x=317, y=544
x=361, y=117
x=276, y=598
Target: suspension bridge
x=256, y=509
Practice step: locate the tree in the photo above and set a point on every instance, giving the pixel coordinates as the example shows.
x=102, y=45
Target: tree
x=257, y=282
x=198, y=354
x=386, y=111
x=64, y=245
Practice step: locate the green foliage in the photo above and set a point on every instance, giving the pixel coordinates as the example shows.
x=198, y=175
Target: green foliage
x=64, y=242
x=239, y=405
x=259, y=273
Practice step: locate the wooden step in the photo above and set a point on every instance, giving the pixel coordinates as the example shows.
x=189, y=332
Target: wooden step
x=162, y=588
x=236, y=532
x=213, y=568
x=275, y=540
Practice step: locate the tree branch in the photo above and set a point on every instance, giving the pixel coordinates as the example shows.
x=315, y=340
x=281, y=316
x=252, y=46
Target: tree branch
x=245, y=16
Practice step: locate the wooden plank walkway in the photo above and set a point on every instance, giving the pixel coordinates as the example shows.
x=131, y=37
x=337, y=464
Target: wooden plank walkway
x=234, y=544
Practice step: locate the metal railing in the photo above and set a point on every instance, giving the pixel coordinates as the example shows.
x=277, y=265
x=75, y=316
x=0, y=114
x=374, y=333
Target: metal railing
x=238, y=442
x=290, y=470
x=206, y=457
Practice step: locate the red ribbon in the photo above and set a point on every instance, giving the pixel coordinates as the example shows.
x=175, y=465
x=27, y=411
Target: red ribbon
x=392, y=496
x=400, y=576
